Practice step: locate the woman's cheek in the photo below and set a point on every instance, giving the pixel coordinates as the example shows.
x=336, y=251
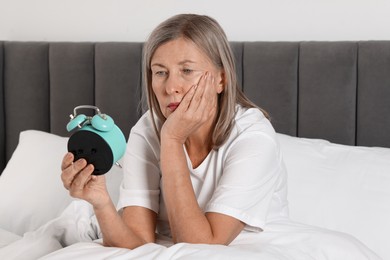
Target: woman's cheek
x=158, y=94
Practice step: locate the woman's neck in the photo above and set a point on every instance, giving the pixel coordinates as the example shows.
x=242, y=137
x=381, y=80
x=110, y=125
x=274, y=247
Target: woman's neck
x=199, y=144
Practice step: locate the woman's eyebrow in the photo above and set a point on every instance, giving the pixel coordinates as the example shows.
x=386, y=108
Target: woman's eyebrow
x=158, y=65
x=180, y=63
x=186, y=61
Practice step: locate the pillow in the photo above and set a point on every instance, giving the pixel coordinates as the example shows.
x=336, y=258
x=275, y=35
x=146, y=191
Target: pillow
x=31, y=190
x=340, y=187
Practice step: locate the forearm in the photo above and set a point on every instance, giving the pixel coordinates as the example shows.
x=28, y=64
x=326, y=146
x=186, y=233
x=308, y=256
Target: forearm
x=115, y=231
x=187, y=221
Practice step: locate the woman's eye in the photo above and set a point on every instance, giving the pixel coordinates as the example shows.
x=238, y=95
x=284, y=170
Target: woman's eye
x=187, y=71
x=161, y=73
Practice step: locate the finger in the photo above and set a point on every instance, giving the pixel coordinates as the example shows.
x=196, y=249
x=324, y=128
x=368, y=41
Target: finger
x=198, y=94
x=69, y=173
x=209, y=98
x=186, y=101
x=67, y=161
x=209, y=102
x=67, y=170
x=213, y=95
x=82, y=178
x=200, y=89
x=93, y=178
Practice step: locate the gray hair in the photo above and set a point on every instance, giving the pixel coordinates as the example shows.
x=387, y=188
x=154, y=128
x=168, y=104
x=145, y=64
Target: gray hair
x=207, y=34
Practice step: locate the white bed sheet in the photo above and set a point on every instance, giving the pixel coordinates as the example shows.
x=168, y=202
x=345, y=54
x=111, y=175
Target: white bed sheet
x=295, y=242
x=7, y=237
x=75, y=235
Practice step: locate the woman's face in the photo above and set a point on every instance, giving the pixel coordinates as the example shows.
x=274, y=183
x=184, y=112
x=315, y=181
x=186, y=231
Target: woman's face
x=176, y=66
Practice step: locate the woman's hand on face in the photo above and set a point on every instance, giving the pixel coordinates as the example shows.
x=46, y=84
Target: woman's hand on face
x=78, y=179
x=197, y=107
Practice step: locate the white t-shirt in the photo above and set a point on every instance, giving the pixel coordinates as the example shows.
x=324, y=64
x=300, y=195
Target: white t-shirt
x=245, y=178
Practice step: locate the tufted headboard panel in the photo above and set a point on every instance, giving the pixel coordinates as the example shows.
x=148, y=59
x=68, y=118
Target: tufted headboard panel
x=339, y=91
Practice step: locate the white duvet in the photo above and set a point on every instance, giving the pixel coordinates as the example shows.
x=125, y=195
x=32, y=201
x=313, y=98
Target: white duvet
x=334, y=186
x=75, y=235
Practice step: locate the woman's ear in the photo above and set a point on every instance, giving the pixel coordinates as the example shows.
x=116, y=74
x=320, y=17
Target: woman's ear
x=221, y=81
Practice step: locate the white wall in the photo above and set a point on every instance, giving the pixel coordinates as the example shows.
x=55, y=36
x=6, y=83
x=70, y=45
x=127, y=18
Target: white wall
x=251, y=20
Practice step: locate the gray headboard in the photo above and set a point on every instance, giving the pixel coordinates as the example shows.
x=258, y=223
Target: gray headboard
x=339, y=91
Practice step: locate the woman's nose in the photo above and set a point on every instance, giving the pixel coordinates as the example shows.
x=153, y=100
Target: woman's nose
x=174, y=84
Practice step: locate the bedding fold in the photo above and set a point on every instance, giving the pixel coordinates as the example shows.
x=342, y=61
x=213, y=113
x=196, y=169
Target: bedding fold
x=76, y=224
x=76, y=235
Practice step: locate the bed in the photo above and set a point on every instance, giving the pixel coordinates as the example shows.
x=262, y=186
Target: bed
x=328, y=101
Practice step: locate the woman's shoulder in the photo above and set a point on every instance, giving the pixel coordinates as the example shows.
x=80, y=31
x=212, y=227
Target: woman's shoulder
x=252, y=120
x=144, y=125
x=143, y=134
x=252, y=131
x=251, y=124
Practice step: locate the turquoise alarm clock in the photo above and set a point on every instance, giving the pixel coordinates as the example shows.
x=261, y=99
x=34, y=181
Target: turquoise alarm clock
x=95, y=138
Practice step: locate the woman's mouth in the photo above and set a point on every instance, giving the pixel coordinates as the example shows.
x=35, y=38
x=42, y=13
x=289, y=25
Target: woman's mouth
x=173, y=106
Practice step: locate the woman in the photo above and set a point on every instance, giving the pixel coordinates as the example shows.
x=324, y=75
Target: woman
x=202, y=165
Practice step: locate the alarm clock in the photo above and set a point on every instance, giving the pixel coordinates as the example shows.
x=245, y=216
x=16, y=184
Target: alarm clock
x=96, y=139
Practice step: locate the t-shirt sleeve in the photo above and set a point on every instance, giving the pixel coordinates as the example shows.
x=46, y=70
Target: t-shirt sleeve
x=251, y=171
x=141, y=177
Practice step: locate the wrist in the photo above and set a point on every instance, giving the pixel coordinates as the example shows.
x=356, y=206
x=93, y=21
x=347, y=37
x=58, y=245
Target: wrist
x=102, y=206
x=171, y=139
x=102, y=203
